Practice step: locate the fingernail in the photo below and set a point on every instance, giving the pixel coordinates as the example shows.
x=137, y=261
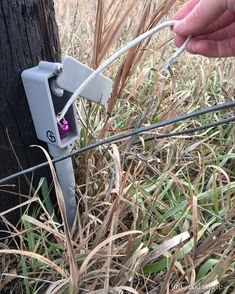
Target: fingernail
x=180, y=27
x=194, y=48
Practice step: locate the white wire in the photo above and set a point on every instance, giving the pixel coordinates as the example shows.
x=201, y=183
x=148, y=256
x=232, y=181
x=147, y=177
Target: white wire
x=112, y=58
x=177, y=53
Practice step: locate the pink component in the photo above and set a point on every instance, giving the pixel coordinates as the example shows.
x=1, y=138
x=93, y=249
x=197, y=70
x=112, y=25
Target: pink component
x=63, y=128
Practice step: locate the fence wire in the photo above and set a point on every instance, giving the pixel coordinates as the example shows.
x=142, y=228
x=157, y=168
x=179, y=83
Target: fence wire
x=137, y=131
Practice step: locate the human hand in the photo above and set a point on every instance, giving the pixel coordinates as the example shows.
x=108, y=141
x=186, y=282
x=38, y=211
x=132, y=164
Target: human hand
x=211, y=23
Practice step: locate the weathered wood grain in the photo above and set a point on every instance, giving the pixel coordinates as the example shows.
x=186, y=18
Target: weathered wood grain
x=28, y=34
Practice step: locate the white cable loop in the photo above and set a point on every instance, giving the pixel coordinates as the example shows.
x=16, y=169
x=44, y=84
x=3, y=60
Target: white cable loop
x=112, y=58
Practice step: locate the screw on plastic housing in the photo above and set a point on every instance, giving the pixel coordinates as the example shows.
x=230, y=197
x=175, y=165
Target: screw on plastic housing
x=63, y=128
x=58, y=69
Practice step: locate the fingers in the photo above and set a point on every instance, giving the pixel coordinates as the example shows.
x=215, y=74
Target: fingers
x=188, y=7
x=200, y=17
x=222, y=34
x=179, y=40
x=212, y=25
x=223, y=21
x=212, y=48
x=217, y=44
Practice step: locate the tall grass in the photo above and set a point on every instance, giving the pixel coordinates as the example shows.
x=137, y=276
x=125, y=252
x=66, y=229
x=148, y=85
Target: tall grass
x=153, y=217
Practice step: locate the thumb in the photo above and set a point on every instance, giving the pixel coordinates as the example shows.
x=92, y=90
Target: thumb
x=203, y=14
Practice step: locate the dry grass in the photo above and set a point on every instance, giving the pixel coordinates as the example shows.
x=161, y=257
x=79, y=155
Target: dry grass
x=153, y=217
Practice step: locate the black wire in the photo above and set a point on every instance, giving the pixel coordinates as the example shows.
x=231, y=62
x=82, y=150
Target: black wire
x=139, y=131
x=188, y=131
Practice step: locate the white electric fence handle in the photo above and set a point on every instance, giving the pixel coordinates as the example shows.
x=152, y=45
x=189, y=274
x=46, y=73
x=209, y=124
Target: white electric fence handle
x=116, y=55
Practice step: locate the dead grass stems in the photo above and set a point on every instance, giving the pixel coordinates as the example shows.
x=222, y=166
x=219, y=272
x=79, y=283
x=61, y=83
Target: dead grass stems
x=153, y=216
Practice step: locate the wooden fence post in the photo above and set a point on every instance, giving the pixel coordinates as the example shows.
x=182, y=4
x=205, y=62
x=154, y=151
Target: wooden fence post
x=28, y=34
